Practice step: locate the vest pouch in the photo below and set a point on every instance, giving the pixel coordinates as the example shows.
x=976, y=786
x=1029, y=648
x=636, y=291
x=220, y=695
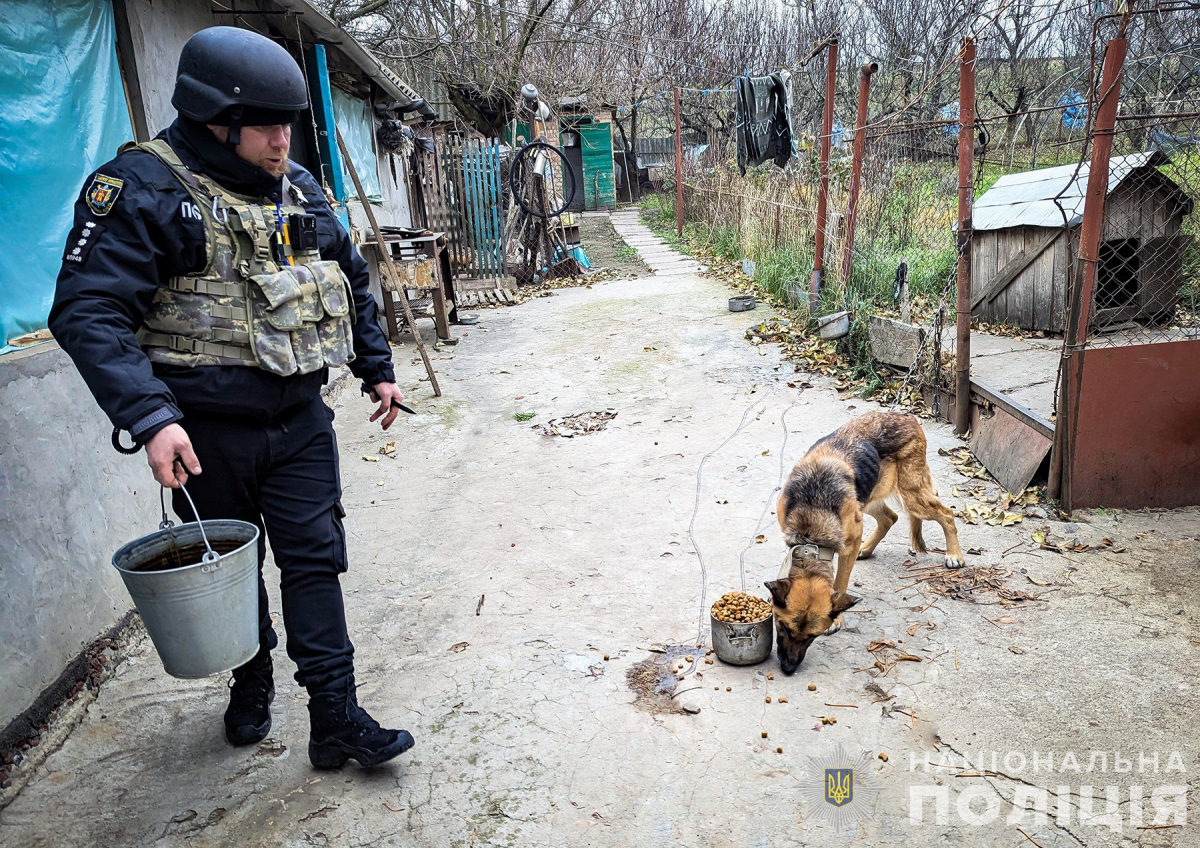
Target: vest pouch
x=272, y=346
x=282, y=292
x=307, y=349
x=337, y=344
x=333, y=287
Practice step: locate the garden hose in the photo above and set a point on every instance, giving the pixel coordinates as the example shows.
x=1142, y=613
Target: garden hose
x=516, y=179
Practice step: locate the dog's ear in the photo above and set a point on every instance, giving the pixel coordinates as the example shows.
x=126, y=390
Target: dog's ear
x=842, y=601
x=779, y=590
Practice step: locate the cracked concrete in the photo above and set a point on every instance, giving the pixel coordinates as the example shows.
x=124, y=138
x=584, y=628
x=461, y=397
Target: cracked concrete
x=581, y=547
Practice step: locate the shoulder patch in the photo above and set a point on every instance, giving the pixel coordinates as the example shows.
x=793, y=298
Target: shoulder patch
x=103, y=193
x=81, y=241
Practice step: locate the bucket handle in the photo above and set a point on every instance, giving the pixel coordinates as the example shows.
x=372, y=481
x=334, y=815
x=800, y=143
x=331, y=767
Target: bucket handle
x=166, y=523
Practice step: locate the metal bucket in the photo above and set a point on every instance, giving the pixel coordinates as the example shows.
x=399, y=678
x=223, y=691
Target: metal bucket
x=202, y=614
x=740, y=643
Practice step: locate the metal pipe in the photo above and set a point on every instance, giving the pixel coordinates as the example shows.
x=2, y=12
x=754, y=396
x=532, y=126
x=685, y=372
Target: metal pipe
x=966, y=162
x=1091, y=229
x=860, y=146
x=814, y=292
x=678, y=169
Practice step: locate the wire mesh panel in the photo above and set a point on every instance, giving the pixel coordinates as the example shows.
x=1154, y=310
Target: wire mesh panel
x=1146, y=282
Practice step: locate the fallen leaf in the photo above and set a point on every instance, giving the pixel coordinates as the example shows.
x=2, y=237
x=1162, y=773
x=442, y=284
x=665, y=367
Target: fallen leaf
x=371, y=459
x=1016, y=650
x=760, y=538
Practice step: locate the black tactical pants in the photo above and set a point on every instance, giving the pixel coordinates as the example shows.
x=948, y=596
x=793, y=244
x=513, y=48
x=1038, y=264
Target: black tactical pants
x=283, y=476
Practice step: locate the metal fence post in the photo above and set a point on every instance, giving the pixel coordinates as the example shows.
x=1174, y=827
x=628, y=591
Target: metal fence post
x=678, y=169
x=1080, y=306
x=814, y=291
x=966, y=162
x=860, y=146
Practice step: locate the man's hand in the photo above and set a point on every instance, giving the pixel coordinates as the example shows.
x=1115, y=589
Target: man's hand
x=384, y=394
x=171, y=457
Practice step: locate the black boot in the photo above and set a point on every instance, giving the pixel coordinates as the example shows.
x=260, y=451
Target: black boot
x=248, y=717
x=342, y=730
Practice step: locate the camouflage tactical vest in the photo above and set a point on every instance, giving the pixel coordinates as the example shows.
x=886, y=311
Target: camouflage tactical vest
x=242, y=308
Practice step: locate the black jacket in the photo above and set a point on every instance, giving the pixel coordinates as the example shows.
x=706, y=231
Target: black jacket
x=115, y=262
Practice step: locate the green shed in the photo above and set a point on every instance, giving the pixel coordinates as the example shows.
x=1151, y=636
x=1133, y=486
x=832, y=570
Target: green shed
x=599, y=188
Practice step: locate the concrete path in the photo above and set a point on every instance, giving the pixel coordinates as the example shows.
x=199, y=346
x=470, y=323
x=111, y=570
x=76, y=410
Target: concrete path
x=518, y=599
x=1024, y=370
x=663, y=259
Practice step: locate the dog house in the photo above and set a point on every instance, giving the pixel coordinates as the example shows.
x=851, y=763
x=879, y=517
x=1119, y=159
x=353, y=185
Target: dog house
x=1026, y=232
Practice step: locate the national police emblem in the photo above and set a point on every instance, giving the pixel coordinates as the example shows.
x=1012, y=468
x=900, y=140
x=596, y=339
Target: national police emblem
x=840, y=788
x=102, y=193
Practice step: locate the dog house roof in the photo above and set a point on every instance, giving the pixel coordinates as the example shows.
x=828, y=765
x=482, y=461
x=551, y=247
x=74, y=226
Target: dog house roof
x=1045, y=197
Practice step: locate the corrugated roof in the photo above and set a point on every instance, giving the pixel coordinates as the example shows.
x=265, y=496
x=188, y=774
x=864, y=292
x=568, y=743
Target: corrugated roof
x=1041, y=198
x=329, y=32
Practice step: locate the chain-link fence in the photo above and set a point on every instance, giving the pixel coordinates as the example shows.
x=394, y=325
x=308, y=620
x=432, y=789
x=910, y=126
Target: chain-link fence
x=1145, y=284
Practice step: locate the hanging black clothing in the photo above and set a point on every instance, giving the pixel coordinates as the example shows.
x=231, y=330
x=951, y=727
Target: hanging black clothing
x=764, y=120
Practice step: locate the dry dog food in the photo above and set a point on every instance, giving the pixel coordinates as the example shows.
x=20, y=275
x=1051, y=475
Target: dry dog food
x=738, y=606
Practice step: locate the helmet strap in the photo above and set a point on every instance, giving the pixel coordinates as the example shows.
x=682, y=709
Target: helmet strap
x=235, y=127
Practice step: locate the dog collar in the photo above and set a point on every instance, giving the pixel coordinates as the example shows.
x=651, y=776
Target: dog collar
x=812, y=550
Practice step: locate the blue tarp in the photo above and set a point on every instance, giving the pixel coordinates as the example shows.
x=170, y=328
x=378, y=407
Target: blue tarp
x=62, y=114
x=358, y=130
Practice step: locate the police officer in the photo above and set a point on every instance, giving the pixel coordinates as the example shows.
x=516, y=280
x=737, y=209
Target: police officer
x=206, y=289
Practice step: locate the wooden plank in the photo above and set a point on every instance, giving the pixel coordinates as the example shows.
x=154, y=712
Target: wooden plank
x=984, y=392
x=1008, y=447
x=1012, y=270
x=1043, y=290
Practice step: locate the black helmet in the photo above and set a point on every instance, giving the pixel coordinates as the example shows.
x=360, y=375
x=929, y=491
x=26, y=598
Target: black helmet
x=235, y=77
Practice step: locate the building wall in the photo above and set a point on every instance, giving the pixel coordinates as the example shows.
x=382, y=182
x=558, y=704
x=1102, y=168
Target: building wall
x=158, y=30
x=67, y=502
x=1036, y=299
x=395, y=209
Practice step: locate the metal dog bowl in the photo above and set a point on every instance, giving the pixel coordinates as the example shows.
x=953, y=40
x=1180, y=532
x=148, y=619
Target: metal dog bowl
x=743, y=643
x=742, y=303
x=834, y=326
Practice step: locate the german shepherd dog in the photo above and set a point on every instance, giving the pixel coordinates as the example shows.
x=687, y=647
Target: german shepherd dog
x=877, y=456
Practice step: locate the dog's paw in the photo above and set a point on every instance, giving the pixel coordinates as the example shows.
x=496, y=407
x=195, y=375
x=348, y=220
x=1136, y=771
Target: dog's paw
x=865, y=554
x=954, y=562
x=835, y=627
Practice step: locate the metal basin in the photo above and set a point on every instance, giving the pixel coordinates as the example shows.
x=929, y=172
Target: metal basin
x=742, y=303
x=834, y=326
x=743, y=643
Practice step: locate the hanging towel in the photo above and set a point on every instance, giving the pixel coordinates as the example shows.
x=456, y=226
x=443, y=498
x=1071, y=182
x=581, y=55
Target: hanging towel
x=764, y=120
